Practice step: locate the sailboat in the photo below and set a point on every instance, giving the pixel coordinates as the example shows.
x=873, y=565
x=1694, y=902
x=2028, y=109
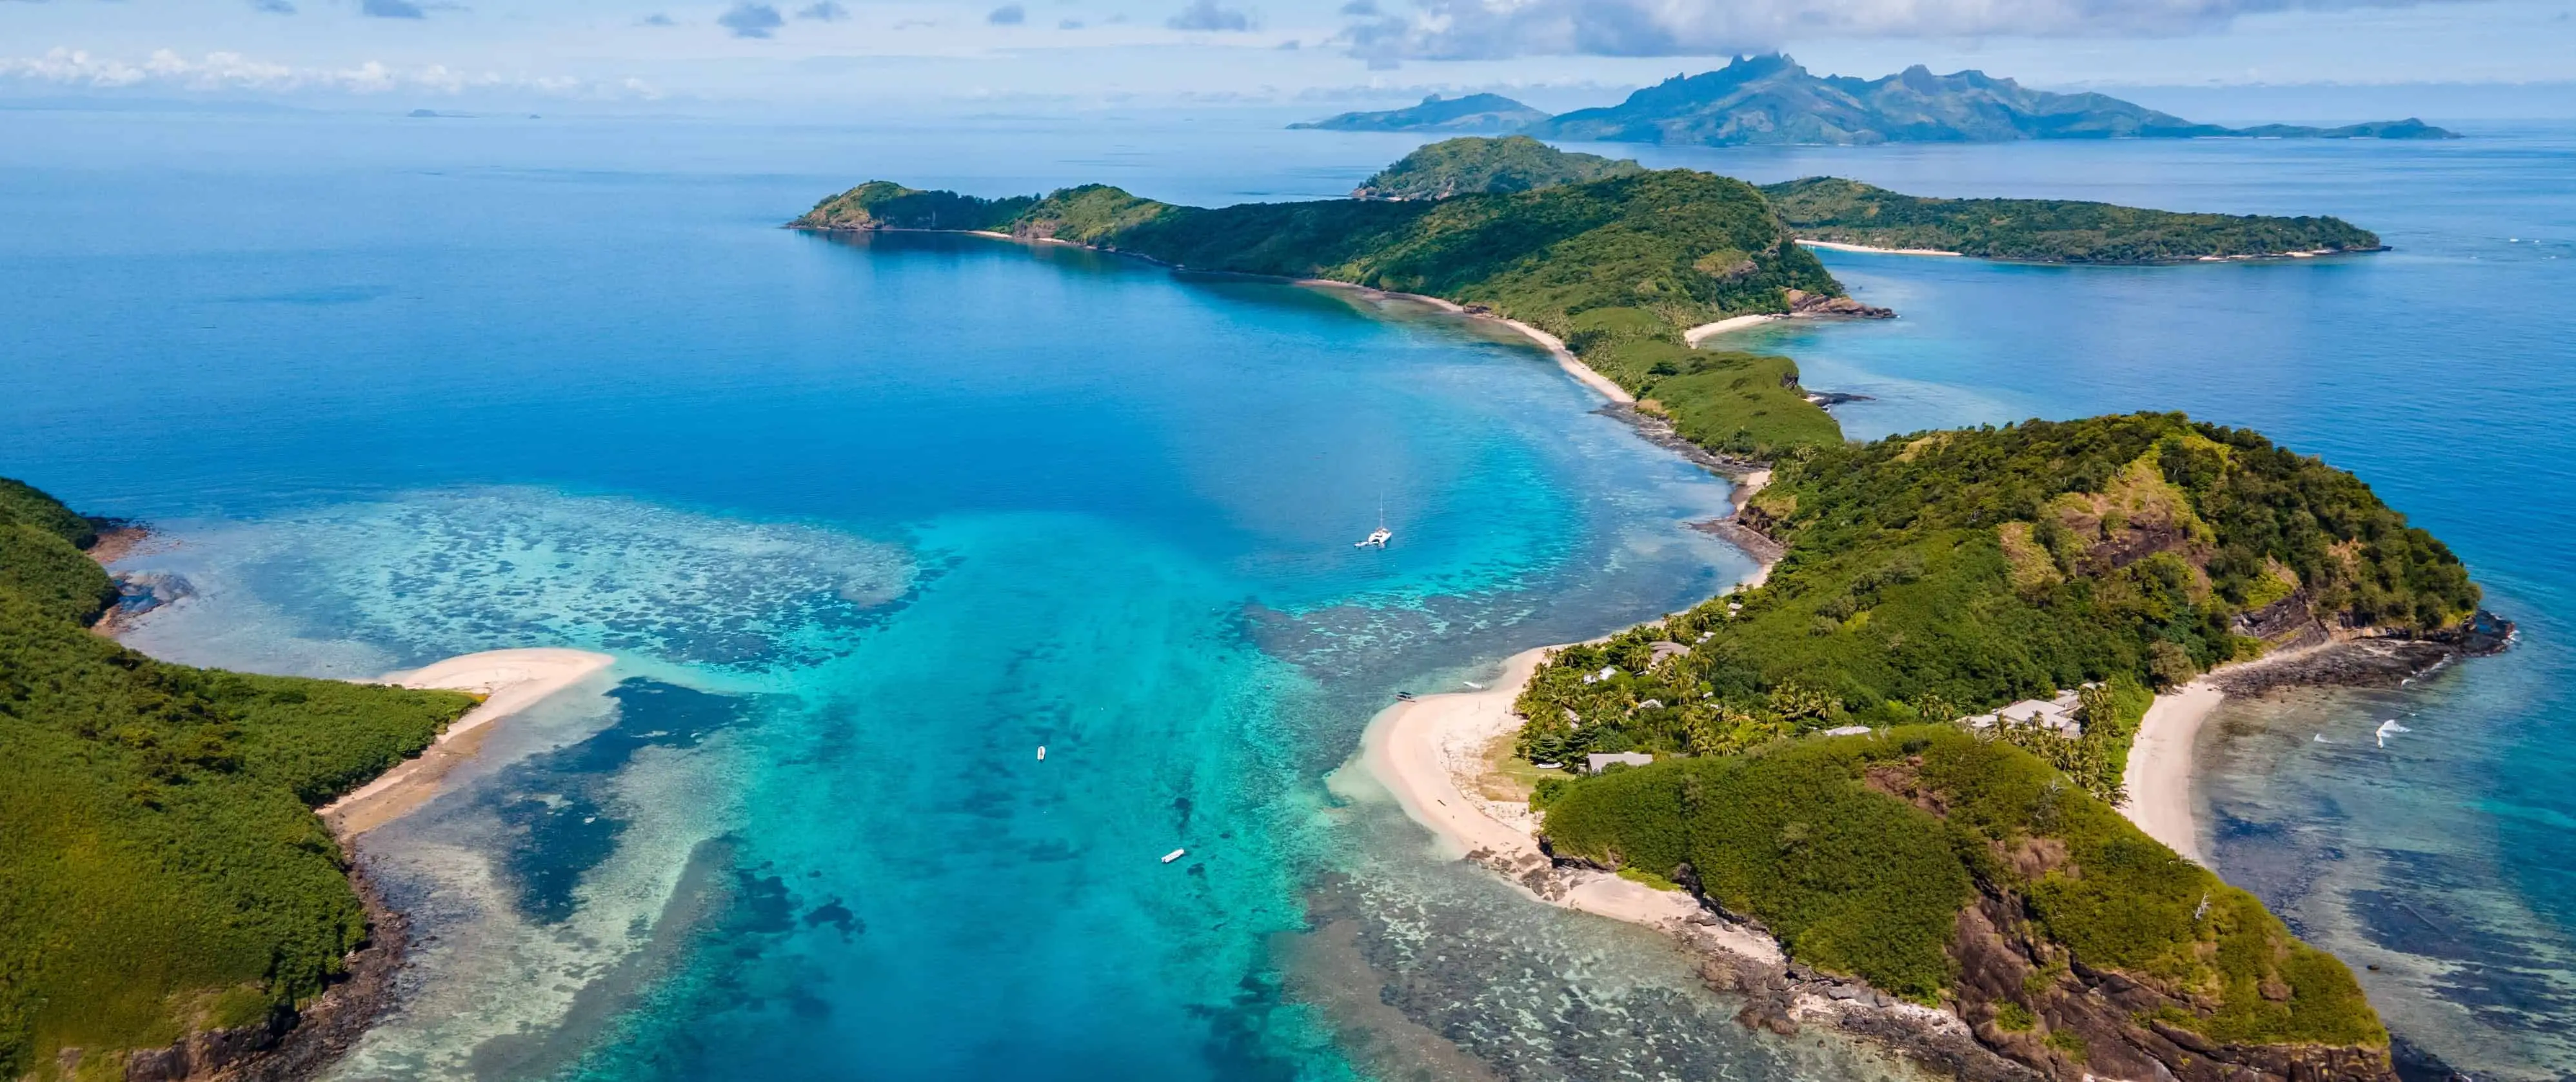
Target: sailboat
x=1376, y=538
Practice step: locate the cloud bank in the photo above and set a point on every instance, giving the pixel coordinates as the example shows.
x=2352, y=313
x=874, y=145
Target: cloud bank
x=223, y=71
x=1495, y=29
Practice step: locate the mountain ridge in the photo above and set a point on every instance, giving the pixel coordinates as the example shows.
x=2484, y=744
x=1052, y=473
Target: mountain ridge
x=1771, y=99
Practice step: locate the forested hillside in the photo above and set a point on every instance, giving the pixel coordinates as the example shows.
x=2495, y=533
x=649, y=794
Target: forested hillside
x=161, y=868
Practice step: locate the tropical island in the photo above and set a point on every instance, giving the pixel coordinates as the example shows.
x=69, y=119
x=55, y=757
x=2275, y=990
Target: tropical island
x=1832, y=212
x=1485, y=113
x=1879, y=783
x=1771, y=99
x=1513, y=163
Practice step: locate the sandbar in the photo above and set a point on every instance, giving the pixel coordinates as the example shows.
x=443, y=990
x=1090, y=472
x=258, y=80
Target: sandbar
x=509, y=681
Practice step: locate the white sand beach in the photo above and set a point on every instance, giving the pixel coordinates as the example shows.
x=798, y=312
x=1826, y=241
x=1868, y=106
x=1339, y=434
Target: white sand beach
x=2159, y=778
x=1840, y=247
x=1429, y=753
x=509, y=680
x=1706, y=331
x=1555, y=346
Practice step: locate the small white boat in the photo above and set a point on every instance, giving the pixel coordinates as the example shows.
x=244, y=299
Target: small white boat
x=1377, y=537
x=1173, y=855
x=1041, y=753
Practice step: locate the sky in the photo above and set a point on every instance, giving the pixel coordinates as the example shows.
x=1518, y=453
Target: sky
x=1320, y=55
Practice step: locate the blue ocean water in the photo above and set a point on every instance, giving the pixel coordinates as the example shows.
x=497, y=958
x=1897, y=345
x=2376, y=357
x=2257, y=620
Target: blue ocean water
x=867, y=523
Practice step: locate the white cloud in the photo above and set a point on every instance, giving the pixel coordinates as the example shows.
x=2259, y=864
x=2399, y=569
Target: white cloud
x=1493, y=29
x=226, y=71
x=1209, y=15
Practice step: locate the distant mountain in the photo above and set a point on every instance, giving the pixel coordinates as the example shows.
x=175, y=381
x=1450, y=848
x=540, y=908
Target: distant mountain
x=1513, y=163
x=1771, y=99
x=1488, y=113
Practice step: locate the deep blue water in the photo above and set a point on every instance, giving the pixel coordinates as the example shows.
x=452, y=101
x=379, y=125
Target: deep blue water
x=866, y=523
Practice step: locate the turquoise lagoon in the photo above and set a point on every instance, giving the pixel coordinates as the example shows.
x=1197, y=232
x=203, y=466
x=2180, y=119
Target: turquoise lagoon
x=866, y=523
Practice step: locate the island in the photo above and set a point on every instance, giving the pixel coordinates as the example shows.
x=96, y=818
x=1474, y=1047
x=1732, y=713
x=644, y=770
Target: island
x=171, y=905
x=1472, y=113
x=1835, y=213
x=1881, y=785
x=1829, y=210
x=1900, y=754
x=1612, y=276
x=1513, y=163
x=1771, y=99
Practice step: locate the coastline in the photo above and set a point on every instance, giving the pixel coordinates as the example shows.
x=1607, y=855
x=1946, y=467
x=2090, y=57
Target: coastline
x=509, y=680
x=2162, y=771
x=1555, y=347
x=1706, y=331
x=1838, y=246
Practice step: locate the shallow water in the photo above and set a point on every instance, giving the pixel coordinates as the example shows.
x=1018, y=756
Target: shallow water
x=865, y=524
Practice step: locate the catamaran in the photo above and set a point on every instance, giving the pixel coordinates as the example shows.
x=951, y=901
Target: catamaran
x=1376, y=538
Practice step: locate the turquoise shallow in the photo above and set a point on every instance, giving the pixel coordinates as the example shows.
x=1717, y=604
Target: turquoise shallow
x=866, y=523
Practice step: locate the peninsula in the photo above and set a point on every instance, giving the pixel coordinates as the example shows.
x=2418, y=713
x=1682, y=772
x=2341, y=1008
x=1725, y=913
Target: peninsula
x=1771, y=99
x=1608, y=274
x=1832, y=212
x=170, y=904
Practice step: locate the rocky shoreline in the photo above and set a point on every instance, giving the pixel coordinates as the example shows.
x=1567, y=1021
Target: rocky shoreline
x=294, y=1045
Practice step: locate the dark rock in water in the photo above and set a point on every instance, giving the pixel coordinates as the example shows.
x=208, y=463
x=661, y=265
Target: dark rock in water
x=1803, y=303
x=1835, y=398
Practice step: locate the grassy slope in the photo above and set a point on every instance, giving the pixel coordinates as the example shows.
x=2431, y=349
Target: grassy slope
x=1933, y=575
x=1617, y=267
x=161, y=869
x=1859, y=852
x=2048, y=230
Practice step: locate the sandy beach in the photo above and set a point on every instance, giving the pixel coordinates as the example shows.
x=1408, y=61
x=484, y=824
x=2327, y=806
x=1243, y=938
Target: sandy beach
x=2159, y=778
x=1706, y=331
x=1554, y=346
x=509, y=680
x=1429, y=753
x=1840, y=247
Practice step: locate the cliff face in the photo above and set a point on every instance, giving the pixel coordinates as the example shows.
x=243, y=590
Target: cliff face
x=2027, y=999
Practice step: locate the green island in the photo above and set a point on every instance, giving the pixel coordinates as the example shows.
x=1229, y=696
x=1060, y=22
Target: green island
x=162, y=873
x=1513, y=163
x=1935, y=575
x=1841, y=211
x=1813, y=772
x=1837, y=211
x=1616, y=268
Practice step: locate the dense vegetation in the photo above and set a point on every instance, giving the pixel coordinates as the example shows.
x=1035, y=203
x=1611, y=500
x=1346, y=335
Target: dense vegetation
x=1860, y=852
x=1930, y=576
x=2048, y=230
x=1514, y=163
x=1771, y=99
x=1935, y=575
x=161, y=869
x=1617, y=267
